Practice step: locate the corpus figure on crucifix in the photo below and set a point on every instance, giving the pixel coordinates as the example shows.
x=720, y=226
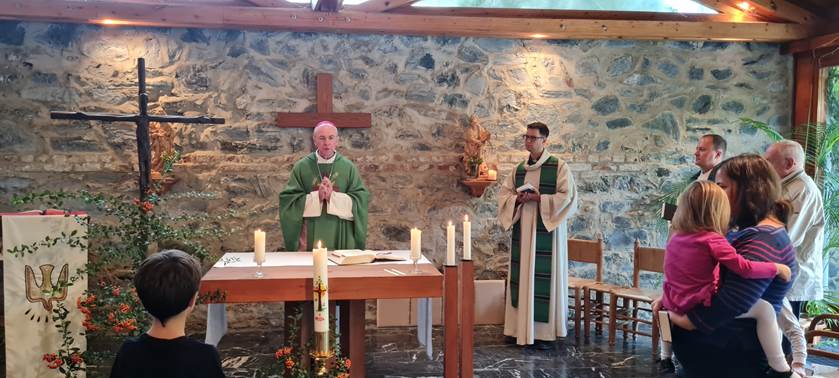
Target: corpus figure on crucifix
x=325, y=198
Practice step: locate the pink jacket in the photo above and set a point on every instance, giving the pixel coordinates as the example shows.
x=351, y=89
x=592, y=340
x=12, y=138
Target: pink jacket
x=691, y=269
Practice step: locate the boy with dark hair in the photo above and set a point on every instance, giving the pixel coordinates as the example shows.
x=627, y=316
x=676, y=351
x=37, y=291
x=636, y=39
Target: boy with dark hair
x=167, y=284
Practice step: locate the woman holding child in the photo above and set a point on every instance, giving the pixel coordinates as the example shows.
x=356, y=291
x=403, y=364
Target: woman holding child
x=716, y=335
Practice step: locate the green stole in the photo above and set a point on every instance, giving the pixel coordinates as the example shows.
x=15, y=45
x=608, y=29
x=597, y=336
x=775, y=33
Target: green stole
x=544, y=246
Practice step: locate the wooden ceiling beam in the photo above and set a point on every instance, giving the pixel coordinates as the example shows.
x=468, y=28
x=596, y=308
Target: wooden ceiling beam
x=197, y=16
x=274, y=4
x=812, y=44
x=380, y=5
x=818, y=3
x=567, y=14
x=785, y=10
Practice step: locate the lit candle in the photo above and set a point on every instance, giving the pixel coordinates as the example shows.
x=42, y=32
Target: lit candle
x=320, y=282
x=259, y=246
x=416, y=243
x=492, y=175
x=467, y=238
x=450, y=245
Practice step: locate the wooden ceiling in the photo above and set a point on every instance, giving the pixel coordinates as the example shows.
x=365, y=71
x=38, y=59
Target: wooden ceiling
x=762, y=20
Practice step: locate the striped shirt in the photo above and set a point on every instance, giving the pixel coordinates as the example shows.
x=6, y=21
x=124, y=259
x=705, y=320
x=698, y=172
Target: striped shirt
x=737, y=294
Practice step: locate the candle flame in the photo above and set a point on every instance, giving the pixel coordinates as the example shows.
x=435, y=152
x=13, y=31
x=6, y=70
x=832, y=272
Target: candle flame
x=319, y=247
x=466, y=218
x=450, y=223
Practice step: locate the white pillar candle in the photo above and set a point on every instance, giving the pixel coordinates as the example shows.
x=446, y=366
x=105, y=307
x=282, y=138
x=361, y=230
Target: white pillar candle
x=450, y=245
x=416, y=243
x=259, y=246
x=493, y=174
x=467, y=238
x=320, y=282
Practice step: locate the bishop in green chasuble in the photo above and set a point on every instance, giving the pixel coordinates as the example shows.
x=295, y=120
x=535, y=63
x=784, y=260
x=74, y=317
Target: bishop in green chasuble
x=537, y=285
x=325, y=199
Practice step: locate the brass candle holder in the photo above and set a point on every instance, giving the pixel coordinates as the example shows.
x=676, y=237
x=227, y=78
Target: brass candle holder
x=321, y=354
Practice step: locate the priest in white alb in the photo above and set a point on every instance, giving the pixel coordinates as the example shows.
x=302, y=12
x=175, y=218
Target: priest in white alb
x=535, y=203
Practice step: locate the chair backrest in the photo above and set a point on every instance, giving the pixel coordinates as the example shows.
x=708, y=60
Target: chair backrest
x=587, y=251
x=647, y=259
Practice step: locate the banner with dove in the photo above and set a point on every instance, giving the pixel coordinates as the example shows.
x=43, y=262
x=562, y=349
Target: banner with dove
x=32, y=288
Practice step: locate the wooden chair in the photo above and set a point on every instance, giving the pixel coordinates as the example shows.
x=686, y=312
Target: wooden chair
x=648, y=260
x=812, y=332
x=585, y=251
x=596, y=309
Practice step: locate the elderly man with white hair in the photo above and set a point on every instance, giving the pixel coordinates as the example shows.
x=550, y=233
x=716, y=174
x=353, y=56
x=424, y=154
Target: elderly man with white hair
x=325, y=199
x=806, y=232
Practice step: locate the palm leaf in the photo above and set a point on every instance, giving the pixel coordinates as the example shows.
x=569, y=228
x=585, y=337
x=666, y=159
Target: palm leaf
x=829, y=142
x=763, y=127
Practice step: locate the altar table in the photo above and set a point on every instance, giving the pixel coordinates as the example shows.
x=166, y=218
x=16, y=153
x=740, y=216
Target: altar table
x=288, y=277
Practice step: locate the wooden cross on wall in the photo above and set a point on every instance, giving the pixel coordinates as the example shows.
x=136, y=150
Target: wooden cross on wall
x=324, y=111
x=142, y=121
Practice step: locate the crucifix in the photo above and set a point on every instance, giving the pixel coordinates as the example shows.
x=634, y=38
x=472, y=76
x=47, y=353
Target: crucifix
x=142, y=121
x=324, y=111
x=320, y=290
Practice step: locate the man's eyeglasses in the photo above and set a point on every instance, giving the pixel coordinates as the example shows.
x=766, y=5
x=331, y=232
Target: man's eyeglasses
x=528, y=138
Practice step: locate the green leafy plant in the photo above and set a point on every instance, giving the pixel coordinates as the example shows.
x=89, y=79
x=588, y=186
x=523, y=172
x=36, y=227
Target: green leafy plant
x=474, y=165
x=169, y=160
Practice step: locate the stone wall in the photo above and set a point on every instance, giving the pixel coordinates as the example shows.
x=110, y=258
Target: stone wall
x=625, y=114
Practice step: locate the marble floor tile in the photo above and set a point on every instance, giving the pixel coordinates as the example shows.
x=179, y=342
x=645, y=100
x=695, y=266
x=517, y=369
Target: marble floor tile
x=394, y=352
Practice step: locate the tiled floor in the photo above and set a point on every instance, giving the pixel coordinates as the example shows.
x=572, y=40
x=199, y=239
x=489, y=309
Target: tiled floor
x=394, y=352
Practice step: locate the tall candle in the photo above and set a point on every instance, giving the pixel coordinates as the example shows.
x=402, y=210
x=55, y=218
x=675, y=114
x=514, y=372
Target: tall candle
x=320, y=282
x=259, y=246
x=450, y=245
x=416, y=243
x=467, y=238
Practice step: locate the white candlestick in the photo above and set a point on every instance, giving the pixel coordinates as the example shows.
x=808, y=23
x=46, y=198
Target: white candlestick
x=320, y=282
x=467, y=238
x=450, y=245
x=416, y=243
x=259, y=246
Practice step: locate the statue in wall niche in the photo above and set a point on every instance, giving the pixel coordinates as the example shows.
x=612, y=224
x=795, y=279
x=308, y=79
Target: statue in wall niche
x=163, y=155
x=475, y=138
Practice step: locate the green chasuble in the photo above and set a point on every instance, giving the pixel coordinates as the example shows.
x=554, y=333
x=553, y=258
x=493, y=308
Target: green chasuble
x=334, y=232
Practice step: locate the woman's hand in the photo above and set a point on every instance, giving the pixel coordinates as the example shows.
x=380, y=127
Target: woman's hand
x=682, y=321
x=656, y=306
x=784, y=272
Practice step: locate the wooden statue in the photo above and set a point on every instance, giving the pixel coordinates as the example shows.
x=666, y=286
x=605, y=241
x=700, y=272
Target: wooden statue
x=475, y=138
x=162, y=147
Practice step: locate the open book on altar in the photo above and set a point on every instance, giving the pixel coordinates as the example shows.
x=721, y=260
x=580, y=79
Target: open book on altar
x=357, y=256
